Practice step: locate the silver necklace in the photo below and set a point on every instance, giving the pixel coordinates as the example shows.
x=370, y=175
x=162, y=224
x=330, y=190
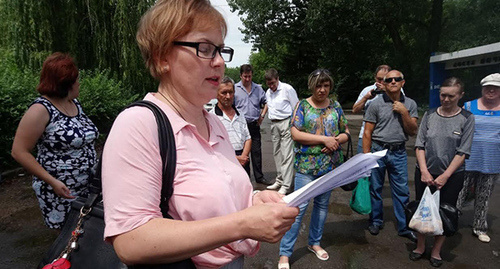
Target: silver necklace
x=172, y=105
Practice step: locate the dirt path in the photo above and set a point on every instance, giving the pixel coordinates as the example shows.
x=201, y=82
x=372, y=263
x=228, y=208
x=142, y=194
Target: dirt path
x=23, y=236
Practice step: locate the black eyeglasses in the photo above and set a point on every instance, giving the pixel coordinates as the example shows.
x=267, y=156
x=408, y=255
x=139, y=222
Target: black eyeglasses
x=207, y=50
x=318, y=72
x=389, y=80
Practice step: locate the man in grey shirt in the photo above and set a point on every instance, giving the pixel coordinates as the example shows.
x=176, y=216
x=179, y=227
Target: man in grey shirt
x=388, y=122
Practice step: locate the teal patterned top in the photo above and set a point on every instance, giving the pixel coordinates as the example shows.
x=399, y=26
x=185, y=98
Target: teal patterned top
x=329, y=121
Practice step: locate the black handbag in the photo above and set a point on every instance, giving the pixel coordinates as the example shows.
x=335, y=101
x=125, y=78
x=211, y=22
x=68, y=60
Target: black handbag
x=349, y=153
x=448, y=213
x=82, y=234
x=449, y=216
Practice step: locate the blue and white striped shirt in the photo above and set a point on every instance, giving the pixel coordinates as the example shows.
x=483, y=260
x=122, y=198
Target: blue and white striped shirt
x=485, y=151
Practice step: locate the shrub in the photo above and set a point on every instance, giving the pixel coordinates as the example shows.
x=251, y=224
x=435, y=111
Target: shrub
x=102, y=98
x=17, y=91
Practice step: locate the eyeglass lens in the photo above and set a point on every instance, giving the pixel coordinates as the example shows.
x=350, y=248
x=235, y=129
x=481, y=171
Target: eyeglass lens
x=208, y=51
x=389, y=80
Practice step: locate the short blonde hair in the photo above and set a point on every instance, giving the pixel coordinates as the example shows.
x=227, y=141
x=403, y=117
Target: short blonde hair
x=168, y=20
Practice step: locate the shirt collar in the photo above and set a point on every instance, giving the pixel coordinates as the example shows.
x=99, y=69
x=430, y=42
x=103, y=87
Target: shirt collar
x=219, y=112
x=278, y=88
x=388, y=99
x=178, y=123
x=241, y=86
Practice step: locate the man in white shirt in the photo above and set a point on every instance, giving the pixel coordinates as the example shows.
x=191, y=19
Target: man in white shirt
x=281, y=101
x=234, y=122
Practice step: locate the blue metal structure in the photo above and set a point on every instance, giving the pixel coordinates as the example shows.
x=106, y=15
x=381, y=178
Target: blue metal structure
x=473, y=64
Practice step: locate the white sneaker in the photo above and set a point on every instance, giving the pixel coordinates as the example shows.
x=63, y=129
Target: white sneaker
x=482, y=236
x=273, y=187
x=283, y=190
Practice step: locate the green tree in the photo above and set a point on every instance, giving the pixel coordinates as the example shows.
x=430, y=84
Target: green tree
x=469, y=23
x=233, y=72
x=99, y=34
x=348, y=37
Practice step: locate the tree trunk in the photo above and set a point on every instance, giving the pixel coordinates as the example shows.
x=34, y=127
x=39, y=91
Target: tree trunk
x=435, y=25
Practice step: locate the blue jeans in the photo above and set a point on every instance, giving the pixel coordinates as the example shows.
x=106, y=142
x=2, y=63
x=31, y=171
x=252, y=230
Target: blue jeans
x=396, y=164
x=318, y=218
x=360, y=145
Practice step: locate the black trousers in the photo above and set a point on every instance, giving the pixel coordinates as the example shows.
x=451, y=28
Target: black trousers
x=247, y=165
x=450, y=190
x=255, y=152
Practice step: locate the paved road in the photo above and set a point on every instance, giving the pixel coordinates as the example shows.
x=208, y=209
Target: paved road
x=24, y=239
x=350, y=245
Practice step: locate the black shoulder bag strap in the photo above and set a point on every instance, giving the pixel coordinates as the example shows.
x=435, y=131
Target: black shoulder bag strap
x=167, y=152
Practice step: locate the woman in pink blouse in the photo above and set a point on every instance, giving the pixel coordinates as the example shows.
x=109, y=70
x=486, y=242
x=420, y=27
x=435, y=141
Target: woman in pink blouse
x=217, y=220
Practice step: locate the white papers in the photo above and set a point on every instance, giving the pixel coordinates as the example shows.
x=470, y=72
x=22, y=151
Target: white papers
x=355, y=168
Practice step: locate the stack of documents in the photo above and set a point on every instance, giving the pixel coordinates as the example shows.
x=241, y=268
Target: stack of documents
x=355, y=168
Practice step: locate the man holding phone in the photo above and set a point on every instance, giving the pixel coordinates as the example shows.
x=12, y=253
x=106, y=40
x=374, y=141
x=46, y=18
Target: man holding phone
x=367, y=95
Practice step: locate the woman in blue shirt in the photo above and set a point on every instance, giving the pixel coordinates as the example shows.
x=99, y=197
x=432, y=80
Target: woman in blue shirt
x=482, y=168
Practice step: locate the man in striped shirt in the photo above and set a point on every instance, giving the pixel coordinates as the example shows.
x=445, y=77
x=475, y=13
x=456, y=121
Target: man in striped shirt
x=234, y=122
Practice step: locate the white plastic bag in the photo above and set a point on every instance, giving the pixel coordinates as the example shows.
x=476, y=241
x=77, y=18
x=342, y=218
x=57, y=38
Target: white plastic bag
x=426, y=219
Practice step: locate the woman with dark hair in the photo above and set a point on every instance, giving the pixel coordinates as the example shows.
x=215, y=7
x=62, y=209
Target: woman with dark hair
x=318, y=127
x=64, y=137
x=443, y=143
x=217, y=218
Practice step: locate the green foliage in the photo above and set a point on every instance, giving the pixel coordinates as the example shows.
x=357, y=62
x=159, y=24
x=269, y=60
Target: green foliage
x=352, y=37
x=17, y=91
x=233, y=72
x=470, y=23
x=99, y=34
x=102, y=98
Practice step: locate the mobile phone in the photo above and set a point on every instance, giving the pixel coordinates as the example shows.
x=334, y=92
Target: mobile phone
x=376, y=91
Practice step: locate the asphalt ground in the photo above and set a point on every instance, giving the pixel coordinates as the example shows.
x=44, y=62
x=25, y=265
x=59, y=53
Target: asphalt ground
x=24, y=239
x=349, y=243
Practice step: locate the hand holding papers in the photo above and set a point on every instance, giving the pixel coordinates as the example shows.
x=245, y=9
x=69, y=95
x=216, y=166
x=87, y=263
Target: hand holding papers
x=357, y=167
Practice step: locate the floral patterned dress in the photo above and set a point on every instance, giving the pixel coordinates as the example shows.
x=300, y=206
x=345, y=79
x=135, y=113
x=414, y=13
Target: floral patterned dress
x=329, y=121
x=66, y=150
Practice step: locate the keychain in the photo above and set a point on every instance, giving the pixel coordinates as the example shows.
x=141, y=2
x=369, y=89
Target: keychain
x=62, y=261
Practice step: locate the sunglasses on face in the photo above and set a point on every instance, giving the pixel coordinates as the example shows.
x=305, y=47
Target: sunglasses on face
x=389, y=80
x=319, y=71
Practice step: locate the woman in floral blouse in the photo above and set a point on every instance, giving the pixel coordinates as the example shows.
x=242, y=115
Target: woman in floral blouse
x=318, y=127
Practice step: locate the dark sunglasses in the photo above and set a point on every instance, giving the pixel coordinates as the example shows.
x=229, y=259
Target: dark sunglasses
x=397, y=79
x=318, y=72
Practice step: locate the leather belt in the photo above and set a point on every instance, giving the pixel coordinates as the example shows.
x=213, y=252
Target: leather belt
x=280, y=120
x=391, y=146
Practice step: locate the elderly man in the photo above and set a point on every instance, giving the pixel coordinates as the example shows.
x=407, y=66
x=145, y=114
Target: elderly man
x=281, y=100
x=250, y=100
x=388, y=123
x=234, y=122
